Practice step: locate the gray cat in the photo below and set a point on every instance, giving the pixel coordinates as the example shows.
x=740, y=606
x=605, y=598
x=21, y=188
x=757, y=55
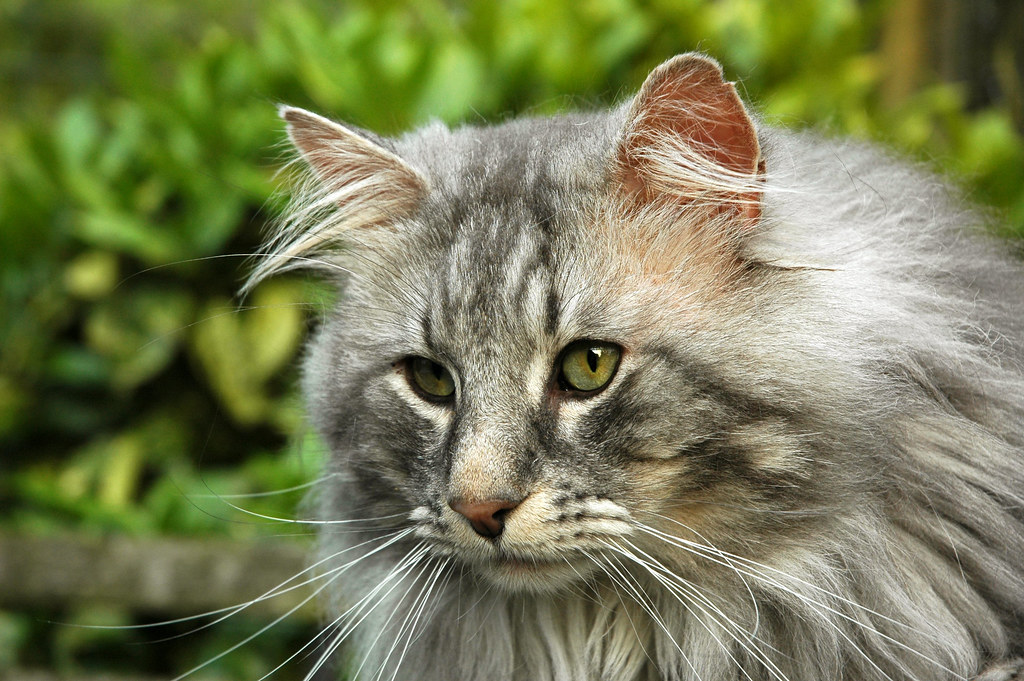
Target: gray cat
x=659, y=393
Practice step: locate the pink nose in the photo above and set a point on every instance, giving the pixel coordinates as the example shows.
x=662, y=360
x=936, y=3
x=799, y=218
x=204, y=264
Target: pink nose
x=486, y=517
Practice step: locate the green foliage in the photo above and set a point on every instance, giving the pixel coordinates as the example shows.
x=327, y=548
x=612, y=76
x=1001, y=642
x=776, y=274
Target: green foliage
x=139, y=146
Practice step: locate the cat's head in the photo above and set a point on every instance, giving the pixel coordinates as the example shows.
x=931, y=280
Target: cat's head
x=552, y=345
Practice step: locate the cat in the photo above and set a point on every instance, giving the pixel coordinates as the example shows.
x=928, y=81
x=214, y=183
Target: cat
x=655, y=393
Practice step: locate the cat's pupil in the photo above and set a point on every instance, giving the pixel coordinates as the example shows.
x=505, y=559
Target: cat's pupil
x=437, y=370
x=593, y=355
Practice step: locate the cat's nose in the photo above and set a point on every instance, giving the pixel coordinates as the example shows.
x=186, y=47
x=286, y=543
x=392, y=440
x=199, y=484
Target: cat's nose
x=486, y=517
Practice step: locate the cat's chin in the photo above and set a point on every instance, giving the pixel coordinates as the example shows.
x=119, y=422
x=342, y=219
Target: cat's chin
x=519, y=576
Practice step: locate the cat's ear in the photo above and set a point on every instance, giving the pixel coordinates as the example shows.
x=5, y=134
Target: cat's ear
x=357, y=184
x=357, y=173
x=688, y=139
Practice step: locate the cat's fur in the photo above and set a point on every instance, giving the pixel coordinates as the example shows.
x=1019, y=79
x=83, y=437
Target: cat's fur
x=809, y=465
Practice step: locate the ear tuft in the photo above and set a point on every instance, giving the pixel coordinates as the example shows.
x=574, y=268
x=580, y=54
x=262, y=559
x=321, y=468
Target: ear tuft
x=341, y=157
x=357, y=183
x=688, y=137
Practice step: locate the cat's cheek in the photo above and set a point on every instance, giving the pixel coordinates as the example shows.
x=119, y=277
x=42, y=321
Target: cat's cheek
x=575, y=414
x=658, y=482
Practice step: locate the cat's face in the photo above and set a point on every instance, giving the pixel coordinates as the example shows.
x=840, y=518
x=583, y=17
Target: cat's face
x=532, y=362
x=505, y=376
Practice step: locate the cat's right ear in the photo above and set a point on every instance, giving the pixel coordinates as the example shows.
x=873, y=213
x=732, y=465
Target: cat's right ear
x=365, y=180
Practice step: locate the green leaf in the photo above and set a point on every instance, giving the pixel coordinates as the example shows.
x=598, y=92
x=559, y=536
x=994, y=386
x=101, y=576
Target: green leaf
x=452, y=84
x=138, y=333
x=130, y=234
x=91, y=275
x=77, y=133
x=120, y=476
x=241, y=349
x=14, y=636
x=14, y=402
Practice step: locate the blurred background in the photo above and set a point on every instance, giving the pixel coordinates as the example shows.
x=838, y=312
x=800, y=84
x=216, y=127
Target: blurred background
x=147, y=414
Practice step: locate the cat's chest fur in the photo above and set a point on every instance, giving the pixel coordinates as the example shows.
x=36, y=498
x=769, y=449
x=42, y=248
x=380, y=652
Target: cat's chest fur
x=658, y=393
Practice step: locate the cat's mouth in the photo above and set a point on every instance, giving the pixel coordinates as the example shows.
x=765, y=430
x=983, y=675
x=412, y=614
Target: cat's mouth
x=516, y=564
x=533, y=574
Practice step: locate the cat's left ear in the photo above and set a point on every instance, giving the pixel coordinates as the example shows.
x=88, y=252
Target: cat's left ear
x=359, y=186
x=689, y=140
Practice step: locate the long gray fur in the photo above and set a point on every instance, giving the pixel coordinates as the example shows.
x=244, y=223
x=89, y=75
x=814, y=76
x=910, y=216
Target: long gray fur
x=815, y=473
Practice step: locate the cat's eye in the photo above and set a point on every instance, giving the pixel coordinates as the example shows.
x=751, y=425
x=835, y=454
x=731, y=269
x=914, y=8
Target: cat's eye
x=587, y=365
x=430, y=379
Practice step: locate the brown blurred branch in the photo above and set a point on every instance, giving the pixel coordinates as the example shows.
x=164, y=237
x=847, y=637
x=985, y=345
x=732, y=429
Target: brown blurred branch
x=979, y=45
x=173, y=576
x=44, y=675
x=904, y=50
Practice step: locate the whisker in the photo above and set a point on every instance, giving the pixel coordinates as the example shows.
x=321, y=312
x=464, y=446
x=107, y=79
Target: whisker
x=579, y=592
x=253, y=495
x=383, y=629
x=673, y=583
x=409, y=626
x=274, y=592
x=299, y=521
x=186, y=261
x=411, y=559
x=615, y=586
x=645, y=603
x=687, y=605
x=324, y=634
x=223, y=312
x=410, y=638
x=754, y=565
x=255, y=635
x=754, y=569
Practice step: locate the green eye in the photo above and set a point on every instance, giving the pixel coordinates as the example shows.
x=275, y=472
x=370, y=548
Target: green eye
x=431, y=379
x=589, y=365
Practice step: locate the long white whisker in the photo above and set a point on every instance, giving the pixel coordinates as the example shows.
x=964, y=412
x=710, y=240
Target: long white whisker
x=580, y=591
x=298, y=521
x=274, y=592
x=728, y=562
x=615, y=586
x=313, y=642
x=750, y=564
x=383, y=628
x=411, y=559
x=222, y=256
x=409, y=626
x=325, y=633
x=645, y=603
x=254, y=495
x=686, y=603
x=255, y=635
x=688, y=594
x=753, y=569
